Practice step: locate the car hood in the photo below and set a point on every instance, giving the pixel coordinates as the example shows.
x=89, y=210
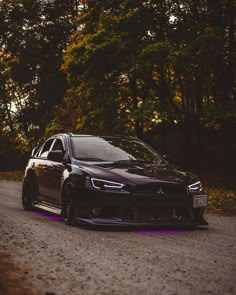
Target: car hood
x=137, y=173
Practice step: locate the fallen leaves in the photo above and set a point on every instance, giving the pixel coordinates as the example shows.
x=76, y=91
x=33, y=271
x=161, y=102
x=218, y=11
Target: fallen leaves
x=221, y=200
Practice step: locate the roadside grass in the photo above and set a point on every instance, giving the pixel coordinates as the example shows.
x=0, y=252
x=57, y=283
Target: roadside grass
x=221, y=200
x=12, y=175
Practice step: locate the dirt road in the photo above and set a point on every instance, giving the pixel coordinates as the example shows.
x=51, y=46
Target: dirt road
x=52, y=258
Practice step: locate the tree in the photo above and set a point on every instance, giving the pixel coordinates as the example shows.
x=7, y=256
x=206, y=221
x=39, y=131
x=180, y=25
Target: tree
x=105, y=67
x=121, y=66
x=35, y=33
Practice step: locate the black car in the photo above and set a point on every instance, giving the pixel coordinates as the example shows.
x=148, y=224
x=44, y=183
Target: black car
x=110, y=180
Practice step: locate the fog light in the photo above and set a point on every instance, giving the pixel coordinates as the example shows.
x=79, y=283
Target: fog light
x=97, y=211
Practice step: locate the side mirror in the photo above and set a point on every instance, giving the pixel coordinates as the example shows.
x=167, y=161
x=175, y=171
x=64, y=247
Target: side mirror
x=56, y=156
x=34, y=151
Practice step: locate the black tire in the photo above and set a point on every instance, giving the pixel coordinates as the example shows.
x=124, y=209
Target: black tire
x=27, y=201
x=69, y=209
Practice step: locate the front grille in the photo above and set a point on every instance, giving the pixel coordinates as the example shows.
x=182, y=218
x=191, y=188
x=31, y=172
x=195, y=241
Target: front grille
x=150, y=213
x=146, y=213
x=160, y=188
x=161, y=194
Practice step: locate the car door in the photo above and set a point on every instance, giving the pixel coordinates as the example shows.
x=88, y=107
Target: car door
x=55, y=173
x=41, y=167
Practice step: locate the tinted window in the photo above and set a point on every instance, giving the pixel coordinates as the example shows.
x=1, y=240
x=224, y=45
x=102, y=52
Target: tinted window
x=113, y=149
x=45, y=149
x=58, y=145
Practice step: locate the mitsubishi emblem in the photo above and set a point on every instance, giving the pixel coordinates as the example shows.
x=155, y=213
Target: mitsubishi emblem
x=160, y=191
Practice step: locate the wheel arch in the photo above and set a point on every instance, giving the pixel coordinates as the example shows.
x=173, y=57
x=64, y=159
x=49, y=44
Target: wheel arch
x=31, y=179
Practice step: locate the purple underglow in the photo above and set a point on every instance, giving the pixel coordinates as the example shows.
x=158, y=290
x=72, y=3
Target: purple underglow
x=55, y=218
x=48, y=216
x=39, y=213
x=159, y=232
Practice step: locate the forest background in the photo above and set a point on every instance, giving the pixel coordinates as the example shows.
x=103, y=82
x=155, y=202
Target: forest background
x=161, y=70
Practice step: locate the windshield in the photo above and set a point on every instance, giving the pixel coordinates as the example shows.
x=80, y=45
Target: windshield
x=113, y=149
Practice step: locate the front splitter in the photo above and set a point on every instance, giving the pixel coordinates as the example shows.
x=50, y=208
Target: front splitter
x=116, y=222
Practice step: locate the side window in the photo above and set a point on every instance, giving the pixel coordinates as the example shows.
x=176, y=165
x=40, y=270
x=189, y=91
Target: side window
x=58, y=145
x=44, y=151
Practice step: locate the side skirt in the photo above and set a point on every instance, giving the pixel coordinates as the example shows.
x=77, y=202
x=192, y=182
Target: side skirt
x=47, y=207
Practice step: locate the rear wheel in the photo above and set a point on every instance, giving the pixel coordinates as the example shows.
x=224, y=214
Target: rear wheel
x=27, y=201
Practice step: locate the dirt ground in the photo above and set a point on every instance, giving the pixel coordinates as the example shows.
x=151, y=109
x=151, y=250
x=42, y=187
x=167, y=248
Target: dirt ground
x=40, y=255
x=12, y=278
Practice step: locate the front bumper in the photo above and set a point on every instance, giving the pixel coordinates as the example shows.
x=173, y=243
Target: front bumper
x=138, y=210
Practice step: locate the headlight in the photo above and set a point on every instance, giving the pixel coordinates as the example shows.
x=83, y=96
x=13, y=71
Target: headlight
x=105, y=185
x=195, y=187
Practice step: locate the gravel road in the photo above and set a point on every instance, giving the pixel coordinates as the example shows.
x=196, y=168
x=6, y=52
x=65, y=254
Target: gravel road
x=56, y=259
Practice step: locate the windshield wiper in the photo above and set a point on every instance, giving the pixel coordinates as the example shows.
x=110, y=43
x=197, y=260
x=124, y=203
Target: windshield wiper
x=90, y=159
x=140, y=161
x=133, y=161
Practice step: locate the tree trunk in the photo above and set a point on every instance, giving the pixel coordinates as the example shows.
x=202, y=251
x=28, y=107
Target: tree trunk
x=139, y=125
x=199, y=95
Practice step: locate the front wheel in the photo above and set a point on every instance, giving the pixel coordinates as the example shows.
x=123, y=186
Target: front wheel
x=27, y=201
x=69, y=211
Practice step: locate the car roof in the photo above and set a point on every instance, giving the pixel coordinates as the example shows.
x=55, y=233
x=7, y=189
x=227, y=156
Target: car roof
x=91, y=135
